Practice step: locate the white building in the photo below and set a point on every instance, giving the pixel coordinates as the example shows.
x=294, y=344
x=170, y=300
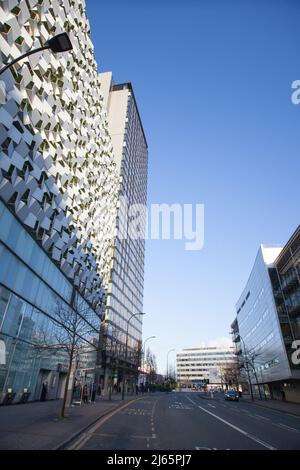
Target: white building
x=125, y=291
x=197, y=366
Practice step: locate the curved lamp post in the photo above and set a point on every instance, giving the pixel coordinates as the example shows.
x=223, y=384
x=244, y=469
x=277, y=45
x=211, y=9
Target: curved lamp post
x=126, y=349
x=59, y=43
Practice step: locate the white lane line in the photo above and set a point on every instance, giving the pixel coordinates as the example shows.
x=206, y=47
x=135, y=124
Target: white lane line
x=284, y=426
x=212, y=406
x=250, y=436
x=261, y=417
x=82, y=440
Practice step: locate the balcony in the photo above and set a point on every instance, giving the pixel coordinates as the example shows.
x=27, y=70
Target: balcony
x=290, y=283
x=236, y=337
x=294, y=309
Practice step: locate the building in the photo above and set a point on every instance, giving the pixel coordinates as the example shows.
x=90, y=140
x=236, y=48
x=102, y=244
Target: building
x=125, y=291
x=59, y=186
x=267, y=321
x=199, y=366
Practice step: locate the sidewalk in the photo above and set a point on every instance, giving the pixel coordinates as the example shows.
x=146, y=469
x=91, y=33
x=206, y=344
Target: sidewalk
x=36, y=425
x=283, y=407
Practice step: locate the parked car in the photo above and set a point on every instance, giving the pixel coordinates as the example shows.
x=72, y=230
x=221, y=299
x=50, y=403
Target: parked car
x=231, y=395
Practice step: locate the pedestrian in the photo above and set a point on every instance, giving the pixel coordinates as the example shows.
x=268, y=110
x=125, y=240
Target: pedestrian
x=44, y=391
x=84, y=394
x=136, y=389
x=93, y=392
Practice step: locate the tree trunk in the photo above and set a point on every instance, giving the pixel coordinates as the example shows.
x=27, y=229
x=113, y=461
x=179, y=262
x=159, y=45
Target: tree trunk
x=110, y=388
x=62, y=412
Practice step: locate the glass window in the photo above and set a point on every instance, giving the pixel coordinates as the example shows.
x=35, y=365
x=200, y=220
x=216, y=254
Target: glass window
x=4, y=299
x=13, y=318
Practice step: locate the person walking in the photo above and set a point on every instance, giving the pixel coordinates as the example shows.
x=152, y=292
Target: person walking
x=93, y=392
x=44, y=391
x=84, y=394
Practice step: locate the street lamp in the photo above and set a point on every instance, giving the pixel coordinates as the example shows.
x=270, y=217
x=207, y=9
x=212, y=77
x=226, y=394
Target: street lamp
x=246, y=362
x=144, y=348
x=168, y=361
x=59, y=43
x=126, y=349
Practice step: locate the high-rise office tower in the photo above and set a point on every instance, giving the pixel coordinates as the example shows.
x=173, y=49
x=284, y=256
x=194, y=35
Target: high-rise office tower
x=125, y=291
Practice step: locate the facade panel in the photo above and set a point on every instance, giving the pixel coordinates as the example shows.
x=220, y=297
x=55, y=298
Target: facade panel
x=59, y=187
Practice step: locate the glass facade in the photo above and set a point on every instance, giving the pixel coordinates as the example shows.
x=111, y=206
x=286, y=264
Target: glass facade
x=258, y=323
x=285, y=278
x=31, y=288
x=268, y=320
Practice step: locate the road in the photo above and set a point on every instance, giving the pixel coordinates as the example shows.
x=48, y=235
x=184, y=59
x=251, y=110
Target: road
x=185, y=421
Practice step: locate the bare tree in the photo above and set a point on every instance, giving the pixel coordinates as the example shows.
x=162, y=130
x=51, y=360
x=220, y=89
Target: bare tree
x=251, y=359
x=230, y=374
x=132, y=366
x=114, y=350
x=74, y=334
x=151, y=365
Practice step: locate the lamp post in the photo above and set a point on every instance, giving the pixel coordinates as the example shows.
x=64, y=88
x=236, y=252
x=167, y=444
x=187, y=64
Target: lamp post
x=168, y=361
x=59, y=43
x=144, y=348
x=246, y=362
x=126, y=350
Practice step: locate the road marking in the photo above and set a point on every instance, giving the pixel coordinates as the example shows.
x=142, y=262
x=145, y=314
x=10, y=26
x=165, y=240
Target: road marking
x=250, y=436
x=87, y=435
x=284, y=426
x=208, y=448
x=261, y=417
x=212, y=406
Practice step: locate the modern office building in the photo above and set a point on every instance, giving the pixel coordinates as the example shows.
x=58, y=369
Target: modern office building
x=267, y=321
x=59, y=186
x=125, y=292
x=203, y=365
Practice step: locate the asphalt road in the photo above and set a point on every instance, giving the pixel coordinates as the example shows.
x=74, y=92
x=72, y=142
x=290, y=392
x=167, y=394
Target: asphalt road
x=185, y=421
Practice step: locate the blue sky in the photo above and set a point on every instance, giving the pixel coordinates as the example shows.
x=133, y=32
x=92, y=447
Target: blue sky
x=213, y=83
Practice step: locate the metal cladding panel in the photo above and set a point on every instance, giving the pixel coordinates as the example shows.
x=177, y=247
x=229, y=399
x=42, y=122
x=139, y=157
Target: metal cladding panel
x=259, y=326
x=57, y=170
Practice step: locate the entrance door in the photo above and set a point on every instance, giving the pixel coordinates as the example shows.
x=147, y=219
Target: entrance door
x=61, y=384
x=42, y=378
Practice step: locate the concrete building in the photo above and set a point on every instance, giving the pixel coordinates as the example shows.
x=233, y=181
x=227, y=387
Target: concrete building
x=198, y=366
x=267, y=321
x=59, y=186
x=125, y=291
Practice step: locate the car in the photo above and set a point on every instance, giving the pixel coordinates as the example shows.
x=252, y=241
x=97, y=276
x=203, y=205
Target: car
x=231, y=395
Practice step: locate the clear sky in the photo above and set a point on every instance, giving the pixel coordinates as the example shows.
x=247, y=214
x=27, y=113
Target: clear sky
x=213, y=83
